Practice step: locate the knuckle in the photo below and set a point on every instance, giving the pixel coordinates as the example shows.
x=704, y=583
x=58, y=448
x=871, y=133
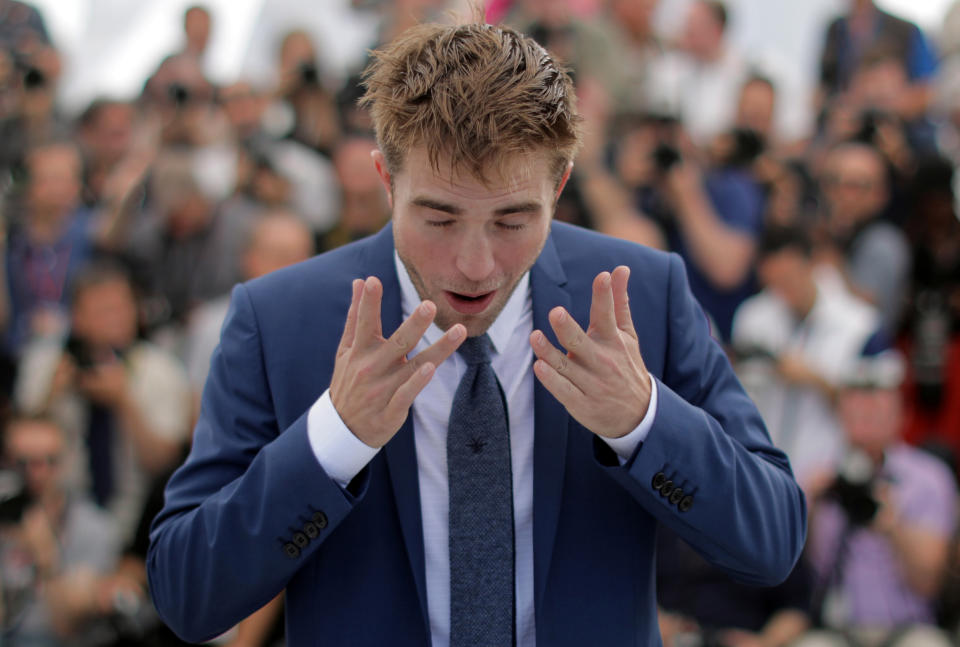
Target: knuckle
x=413, y=364
x=365, y=372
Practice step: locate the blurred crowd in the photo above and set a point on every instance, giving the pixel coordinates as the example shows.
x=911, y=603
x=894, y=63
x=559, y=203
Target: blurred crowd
x=828, y=266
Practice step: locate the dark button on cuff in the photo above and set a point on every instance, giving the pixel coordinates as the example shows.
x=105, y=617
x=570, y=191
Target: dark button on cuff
x=310, y=530
x=300, y=540
x=676, y=496
x=320, y=519
x=685, y=503
x=291, y=550
x=658, y=480
x=667, y=489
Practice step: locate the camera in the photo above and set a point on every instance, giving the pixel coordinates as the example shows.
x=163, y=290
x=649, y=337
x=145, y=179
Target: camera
x=34, y=79
x=665, y=157
x=81, y=352
x=748, y=144
x=14, y=497
x=308, y=74
x=870, y=120
x=853, y=487
x=179, y=94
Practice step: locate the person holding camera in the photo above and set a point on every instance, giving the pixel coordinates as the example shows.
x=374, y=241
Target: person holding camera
x=858, y=243
x=793, y=342
x=56, y=549
x=881, y=525
x=51, y=235
x=711, y=216
x=125, y=403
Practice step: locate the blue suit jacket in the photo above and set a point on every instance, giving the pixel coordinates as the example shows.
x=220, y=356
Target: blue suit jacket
x=251, y=512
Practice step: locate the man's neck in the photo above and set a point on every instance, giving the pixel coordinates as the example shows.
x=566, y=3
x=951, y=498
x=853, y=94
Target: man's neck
x=809, y=302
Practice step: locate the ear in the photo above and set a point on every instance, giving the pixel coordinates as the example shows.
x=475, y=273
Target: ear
x=563, y=180
x=380, y=163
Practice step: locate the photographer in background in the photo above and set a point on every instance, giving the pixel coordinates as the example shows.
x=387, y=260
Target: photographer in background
x=793, y=342
x=124, y=403
x=55, y=548
x=701, y=606
x=857, y=241
x=711, y=216
x=880, y=526
x=51, y=236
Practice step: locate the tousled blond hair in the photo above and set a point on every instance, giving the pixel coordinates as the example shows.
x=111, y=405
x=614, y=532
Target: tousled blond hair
x=474, y=94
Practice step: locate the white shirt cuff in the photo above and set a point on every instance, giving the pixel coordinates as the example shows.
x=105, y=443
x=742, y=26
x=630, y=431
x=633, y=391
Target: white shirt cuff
x=624, y=446
x=341, y=454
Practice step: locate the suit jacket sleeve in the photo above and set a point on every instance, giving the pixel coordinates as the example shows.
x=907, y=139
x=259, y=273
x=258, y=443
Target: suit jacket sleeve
x=249, y=503
x=707, y=469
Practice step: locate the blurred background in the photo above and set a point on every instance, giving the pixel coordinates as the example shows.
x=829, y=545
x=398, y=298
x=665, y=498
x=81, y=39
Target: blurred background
x=799, y=156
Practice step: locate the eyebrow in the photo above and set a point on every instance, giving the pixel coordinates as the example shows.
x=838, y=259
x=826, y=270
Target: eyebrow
x=521, y=207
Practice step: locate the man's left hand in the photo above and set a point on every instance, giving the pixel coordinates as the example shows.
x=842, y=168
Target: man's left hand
x=601, y=379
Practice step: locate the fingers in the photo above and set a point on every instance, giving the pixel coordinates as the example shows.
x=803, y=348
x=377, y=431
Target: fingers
x=441, y=349
x=565, y=391
x=557, y=360
x=621, y=301
x=350, y=328
x=569, y=333
x=602, y=318
x=407, y=336
x=407, y=392
x=369, y=330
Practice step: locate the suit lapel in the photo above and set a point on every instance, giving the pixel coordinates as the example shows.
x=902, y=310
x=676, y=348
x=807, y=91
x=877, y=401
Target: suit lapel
x=400, y=452
x=550, y=422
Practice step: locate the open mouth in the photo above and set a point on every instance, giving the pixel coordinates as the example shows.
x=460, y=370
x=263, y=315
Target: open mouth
x=469, y=304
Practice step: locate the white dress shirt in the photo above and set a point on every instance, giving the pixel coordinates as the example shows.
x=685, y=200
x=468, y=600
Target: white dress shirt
x=342, y=455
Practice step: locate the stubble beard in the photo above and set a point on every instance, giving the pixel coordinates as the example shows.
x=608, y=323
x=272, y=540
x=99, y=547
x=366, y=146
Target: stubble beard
x=445, y=318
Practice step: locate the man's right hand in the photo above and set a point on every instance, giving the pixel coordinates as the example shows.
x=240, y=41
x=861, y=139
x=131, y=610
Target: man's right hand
x=374, y=384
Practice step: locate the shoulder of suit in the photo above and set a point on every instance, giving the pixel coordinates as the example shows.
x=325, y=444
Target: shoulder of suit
x=576, y=244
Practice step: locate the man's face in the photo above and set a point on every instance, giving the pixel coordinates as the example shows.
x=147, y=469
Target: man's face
x=871, y=418
x=855, y=187
x=788, y=274
x=467, y=243
x=701, y=32
x=54, y=179
x=36, y=449
x=106, y=315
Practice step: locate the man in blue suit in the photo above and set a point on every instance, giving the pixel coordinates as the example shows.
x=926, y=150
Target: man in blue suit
x=319, y=463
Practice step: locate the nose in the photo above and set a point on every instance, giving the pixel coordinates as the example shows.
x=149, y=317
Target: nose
x=475, y=257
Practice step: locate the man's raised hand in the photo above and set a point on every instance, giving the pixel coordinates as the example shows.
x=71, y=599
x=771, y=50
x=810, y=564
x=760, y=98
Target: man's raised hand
x=601, y=379
x=373, y=382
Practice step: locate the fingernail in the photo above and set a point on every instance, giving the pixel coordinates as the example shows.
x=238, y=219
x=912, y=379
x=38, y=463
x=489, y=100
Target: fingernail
x=424, y=308
x=538, y=338
x=605, y=280
x=425, y=369
x=456, y=333
x=368, y=286
x=562, y=316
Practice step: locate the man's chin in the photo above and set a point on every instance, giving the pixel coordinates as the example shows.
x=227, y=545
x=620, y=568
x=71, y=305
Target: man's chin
x=476, y=324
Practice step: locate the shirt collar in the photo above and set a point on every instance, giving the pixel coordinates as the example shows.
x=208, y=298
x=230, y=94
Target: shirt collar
x=503, y=326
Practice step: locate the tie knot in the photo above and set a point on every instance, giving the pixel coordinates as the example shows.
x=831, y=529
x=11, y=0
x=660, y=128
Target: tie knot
x=476, y=350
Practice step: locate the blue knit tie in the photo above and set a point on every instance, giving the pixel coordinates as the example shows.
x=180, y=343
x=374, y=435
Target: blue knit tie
x=481, y=506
